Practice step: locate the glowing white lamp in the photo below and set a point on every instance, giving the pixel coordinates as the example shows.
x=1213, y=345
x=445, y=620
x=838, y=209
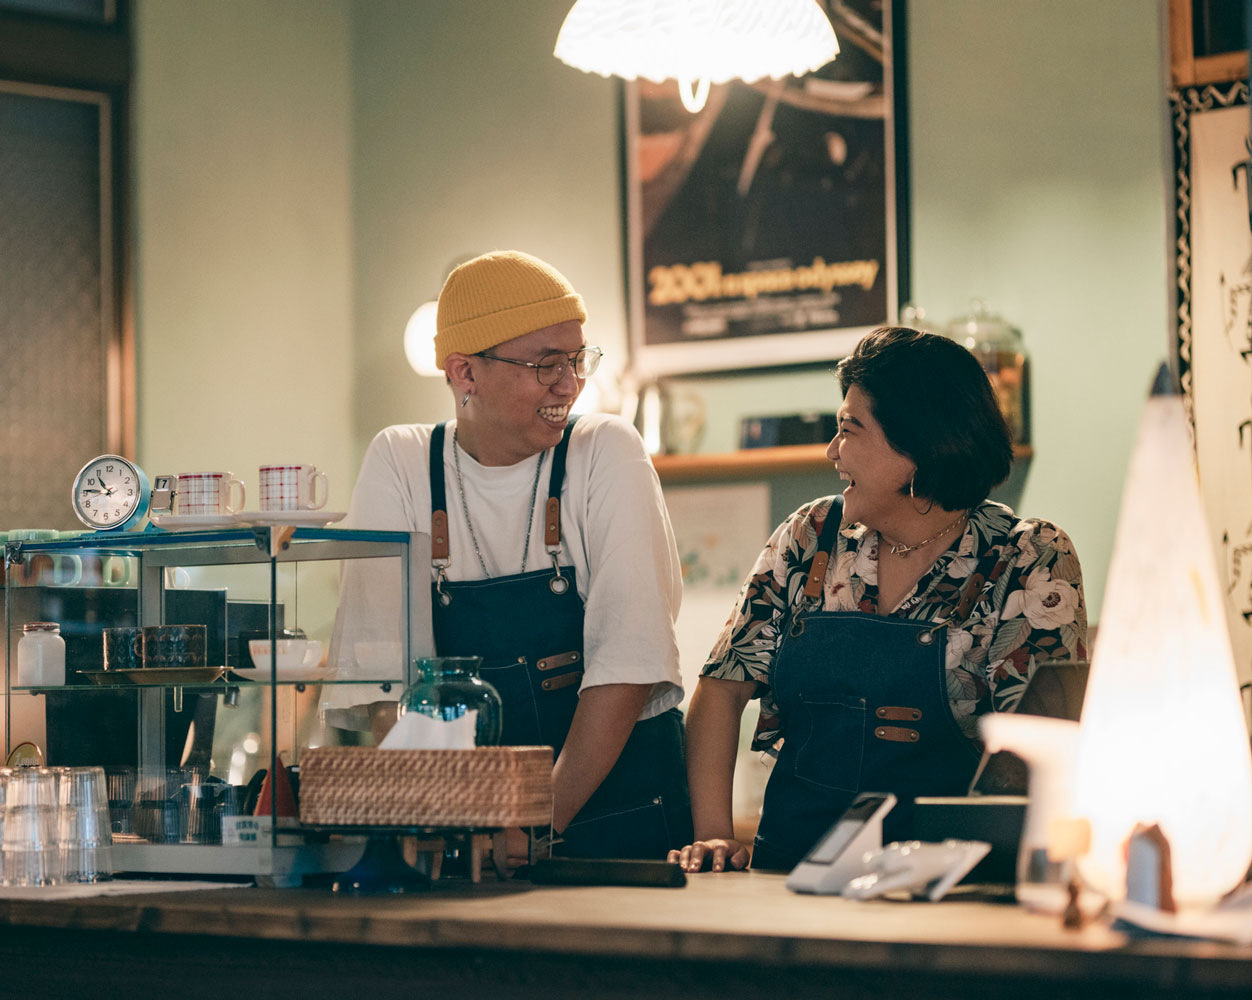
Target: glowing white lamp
x=696, y=42
x=1163, y=737
x=419, y=340
x=590, y=398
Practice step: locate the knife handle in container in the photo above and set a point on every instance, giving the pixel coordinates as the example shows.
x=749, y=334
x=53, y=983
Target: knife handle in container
x=578, y=871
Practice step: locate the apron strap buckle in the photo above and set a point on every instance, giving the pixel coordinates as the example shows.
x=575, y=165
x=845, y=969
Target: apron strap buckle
x=441, y=577
x=558, y=584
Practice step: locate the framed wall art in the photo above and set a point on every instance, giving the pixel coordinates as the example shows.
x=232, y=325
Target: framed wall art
x=1213, y=219
x=770, y=228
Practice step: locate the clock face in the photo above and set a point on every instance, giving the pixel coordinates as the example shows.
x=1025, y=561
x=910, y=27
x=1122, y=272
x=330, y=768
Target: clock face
x=111, y=492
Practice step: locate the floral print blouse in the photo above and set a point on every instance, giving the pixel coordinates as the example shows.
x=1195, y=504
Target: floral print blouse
x=1009, y=589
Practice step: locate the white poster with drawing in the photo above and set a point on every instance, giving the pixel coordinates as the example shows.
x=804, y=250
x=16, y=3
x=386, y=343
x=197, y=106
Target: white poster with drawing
x=720, y=530
x=1219, y=386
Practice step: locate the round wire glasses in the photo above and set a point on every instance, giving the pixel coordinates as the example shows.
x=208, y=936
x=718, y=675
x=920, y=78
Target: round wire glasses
x=551, y=368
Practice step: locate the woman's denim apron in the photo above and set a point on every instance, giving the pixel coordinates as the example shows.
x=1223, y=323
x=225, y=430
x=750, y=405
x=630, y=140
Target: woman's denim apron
x=528, y=628
x=863, y=706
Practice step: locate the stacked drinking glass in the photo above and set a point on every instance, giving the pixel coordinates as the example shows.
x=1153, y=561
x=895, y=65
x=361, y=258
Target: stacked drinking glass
x=55, y=826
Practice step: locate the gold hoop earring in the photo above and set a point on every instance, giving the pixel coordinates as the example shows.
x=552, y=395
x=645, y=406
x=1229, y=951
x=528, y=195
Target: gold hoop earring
x=465, y=400
x=930, y=504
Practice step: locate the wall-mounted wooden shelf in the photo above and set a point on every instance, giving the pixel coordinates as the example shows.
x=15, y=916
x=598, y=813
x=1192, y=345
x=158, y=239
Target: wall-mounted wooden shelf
x=756, y=463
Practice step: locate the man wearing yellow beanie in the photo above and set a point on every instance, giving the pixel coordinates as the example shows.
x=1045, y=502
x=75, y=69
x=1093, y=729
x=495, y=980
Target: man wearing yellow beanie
x=552, y=556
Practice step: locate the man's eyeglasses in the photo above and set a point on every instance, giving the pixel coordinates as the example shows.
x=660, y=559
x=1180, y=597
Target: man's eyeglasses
x=551, y=368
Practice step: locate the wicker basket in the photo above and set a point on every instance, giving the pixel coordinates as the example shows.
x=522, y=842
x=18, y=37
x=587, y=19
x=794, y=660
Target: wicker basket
x=483, y=788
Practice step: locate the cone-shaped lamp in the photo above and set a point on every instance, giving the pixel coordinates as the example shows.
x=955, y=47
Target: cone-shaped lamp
x=1163, y=737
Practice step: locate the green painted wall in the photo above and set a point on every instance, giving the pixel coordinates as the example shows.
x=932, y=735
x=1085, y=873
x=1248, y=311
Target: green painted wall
x=242, y=201
x=307, y=170
x=469, y=136
x=1040, y=142
x=242, y=197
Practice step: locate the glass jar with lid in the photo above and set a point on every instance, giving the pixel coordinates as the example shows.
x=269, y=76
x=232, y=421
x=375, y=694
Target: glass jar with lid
x=1001, y=351
x=41, y=655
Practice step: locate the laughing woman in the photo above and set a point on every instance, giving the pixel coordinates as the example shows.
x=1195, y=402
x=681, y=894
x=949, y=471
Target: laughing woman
x=876, y=627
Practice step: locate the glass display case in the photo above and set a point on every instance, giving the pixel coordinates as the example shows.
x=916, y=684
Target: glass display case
x=196, y=662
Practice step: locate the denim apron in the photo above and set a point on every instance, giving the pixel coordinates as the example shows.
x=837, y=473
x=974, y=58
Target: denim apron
x=528, y=628
x=863, y=706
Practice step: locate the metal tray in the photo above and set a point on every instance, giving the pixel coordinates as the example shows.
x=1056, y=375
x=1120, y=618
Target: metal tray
x=157, y=675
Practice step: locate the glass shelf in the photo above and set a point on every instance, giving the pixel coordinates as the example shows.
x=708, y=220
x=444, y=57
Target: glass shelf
x=260, y=538
x=759, y=463
x=232, y=679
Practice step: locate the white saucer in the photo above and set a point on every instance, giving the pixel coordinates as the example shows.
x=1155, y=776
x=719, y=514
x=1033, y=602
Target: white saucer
x=187, y=522
x=247, y=518
x=300, y=518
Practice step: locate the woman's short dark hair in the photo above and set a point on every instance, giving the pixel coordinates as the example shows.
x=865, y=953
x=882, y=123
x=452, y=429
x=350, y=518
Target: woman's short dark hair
x=935, y=405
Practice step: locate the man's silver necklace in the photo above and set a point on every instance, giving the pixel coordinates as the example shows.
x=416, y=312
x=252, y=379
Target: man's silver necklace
x=460, y=485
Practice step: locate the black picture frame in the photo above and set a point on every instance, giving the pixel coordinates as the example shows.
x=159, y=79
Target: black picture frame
x=771, y=228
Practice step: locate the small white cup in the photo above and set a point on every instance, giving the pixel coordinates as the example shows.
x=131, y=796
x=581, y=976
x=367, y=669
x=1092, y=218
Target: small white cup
x=201, y=493
x=292, y=487
x=114, y=571
x=290, y=654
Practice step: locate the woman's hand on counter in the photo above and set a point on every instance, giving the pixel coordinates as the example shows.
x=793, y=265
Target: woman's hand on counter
x=715, y=852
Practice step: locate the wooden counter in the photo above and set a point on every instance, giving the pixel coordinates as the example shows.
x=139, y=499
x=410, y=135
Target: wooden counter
x=734, y=935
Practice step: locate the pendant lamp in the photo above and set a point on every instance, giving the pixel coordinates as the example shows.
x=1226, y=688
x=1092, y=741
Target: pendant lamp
x=1163, y=738
x=696, y=42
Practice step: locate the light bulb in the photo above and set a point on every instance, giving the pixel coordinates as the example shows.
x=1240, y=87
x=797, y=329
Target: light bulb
x=419, y=340
x=694, y=95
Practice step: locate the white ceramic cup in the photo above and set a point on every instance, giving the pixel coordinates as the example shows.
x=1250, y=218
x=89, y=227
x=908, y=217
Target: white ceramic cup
x=61, y=569
x=201, y=493
x=106, y=570
x=292, y=487
x=115, y=570
x=290, y=654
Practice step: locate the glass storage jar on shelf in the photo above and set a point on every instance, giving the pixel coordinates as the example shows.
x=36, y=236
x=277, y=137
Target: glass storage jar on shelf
x=1001, y=351
x=41, y=655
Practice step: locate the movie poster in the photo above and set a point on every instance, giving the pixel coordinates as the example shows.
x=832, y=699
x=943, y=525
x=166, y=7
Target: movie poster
x=763, y=229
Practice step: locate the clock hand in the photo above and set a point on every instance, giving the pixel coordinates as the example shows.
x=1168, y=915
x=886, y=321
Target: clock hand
x=90, y=491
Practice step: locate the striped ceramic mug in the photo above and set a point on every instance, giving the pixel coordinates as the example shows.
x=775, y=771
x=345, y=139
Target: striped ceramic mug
x=292, y=487
x=201, y=493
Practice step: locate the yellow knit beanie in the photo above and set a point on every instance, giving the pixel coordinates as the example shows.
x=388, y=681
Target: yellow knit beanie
x=499, y=296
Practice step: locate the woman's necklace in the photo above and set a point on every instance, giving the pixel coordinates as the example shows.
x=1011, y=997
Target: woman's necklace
x=900, y=549
x=460, y=485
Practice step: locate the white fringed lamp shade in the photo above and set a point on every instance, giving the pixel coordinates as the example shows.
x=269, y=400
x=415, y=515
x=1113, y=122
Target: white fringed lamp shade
x=1163, y=737
x=687, y=40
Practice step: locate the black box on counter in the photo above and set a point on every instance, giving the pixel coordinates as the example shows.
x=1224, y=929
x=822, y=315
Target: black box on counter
x=799, y=428
x=996, y=819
